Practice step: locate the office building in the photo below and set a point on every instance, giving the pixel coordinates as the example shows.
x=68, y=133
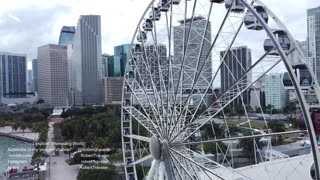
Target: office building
x=274, y=91
x=14, y=75
x=66, y=35
x=236, y=62
x=193, y=54
x=121, y=56
x=87, y=81
x=108, y=65
x=113, y=90
x=35, y=75
x=53, y=75
x=313, y=23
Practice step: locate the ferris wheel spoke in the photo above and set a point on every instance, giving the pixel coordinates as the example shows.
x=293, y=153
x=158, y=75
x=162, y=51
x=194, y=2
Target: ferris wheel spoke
x=185, y=42
x=219, y=35
x=144, y=121
x=191, y=161
x=140, y=138
x=153, y=169
x=146, y=63
x=145, y=158
x=145, y=95
x=218, y=103
x=226, y=98
x=182, y=167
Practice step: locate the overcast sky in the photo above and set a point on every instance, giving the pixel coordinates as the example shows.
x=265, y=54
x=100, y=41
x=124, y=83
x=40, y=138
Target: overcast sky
x=28, y=24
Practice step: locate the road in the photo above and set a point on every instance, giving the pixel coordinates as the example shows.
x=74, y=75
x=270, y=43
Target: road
x=58, y=168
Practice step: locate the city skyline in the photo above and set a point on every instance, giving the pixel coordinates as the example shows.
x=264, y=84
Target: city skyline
x=52, y=15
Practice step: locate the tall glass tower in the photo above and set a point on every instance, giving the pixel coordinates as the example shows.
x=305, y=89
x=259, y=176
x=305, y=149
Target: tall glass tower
x=66, y=35
x=86, y=60
x=121, y=56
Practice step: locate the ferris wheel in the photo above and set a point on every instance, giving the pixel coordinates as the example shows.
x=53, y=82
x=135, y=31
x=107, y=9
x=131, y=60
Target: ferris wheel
x=192, y=72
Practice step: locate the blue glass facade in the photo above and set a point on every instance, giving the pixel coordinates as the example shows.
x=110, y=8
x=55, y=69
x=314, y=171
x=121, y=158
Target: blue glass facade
x=66, y=35
x=14, y=75
x=111, y=66
x=121, y=56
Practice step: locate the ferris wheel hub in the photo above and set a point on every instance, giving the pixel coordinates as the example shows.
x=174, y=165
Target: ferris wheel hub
x=155, y=147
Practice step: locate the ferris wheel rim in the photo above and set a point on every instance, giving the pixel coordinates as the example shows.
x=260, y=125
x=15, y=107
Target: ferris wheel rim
x=138, y=29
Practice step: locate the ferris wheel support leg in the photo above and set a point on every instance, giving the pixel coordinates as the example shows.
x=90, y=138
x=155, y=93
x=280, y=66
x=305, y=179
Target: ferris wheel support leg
x=304, y=106
x=151, y=172
x=161, y=171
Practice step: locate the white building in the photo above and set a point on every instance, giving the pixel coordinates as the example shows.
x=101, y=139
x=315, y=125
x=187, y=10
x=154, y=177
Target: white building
x=53, y=74
x=87, y=81
x=274, y=91
x=313, y=21
x=193, y=54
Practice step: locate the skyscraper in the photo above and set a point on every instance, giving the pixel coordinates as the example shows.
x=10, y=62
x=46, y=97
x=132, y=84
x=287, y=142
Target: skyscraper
x=121, y=56
x=313, y=21
x=275, y=93
x=14, y=75
x=195, y=51
x=53, y=74
x=87, y=82
x=108, y=65
x=67, y=35
x=35, y=75
x=236, y=62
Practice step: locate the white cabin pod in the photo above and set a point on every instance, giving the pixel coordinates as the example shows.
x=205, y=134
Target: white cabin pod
x=303, y=75
x=163, y=5
x=147, y=25
x=174, y=2
x=136, y=49
x=155, y=14
x=142, y=36
x=283, y=40
x=235, y=5
x=217, y=1
x=251, y=22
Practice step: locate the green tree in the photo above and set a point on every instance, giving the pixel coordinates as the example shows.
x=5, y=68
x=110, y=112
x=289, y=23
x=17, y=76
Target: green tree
x=15, y=126
x=275, y=126
x=215, y=147
x=248, y=146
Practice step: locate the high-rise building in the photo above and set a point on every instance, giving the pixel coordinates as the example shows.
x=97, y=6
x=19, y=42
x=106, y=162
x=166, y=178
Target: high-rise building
x=30, y=88
x=14, y=75
x=196, y=53
x=121, y=56
x=67, y=35
x=294, y=57
x=87, y=81
x=108, y=65
x=236, y=62
x=275, y=93
x=313, y=21
x=153, y=57
x=53, y=74
x=113, y=90
x=35, y=75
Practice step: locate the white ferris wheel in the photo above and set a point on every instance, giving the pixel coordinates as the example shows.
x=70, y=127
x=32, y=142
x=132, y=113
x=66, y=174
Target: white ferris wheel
x=192, y=63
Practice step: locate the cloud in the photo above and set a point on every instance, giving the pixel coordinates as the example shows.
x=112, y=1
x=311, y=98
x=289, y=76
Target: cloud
x=26, y=25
